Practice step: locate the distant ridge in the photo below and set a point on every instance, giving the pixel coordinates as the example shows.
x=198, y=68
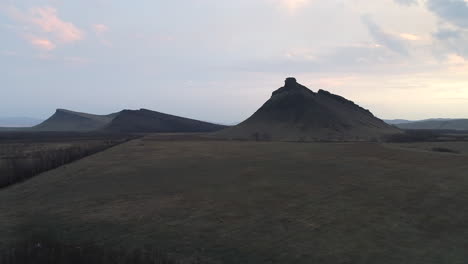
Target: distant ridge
x=436, y=124
x=147, y=121
x=397, y=121
x=126, y=121
x=17, y=122
x=66, y=120
x=295, y=113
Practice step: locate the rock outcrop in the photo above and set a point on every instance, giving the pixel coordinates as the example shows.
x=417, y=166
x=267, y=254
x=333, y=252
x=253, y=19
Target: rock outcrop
x=295, y=113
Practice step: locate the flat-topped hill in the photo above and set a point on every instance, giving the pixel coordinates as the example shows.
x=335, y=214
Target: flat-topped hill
x=147, y=121
x=66, y=120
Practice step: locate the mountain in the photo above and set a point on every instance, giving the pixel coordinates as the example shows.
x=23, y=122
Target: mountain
x=66, y=120
x=436, y=124
x=126, y=121
x=295, y=113
x=147, y=121
x=19, y=121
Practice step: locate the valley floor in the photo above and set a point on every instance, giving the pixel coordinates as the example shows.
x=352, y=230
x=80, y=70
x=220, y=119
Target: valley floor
x=255, y=202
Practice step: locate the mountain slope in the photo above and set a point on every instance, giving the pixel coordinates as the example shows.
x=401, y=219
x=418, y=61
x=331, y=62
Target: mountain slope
x=295, y=113
x=66, y=120
x=434, y=124
x=147, y=121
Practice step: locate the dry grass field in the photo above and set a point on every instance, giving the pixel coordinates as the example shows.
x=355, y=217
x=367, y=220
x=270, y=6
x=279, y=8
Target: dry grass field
x=255, y=202
x=24, y=155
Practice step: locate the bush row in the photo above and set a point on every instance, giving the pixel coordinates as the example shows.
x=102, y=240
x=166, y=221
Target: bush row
x=18, y=168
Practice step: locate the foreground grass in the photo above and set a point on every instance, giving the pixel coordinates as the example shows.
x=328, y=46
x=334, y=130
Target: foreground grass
x=250, y=202
x=44, y=250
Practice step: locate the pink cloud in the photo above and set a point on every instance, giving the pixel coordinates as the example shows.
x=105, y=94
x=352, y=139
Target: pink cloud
x=41, y=43
x=293, y=5
x=47, y=19
x=44, y=28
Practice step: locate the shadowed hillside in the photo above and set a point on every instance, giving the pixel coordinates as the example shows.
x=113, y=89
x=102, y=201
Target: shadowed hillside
x=147, y=121
x=295, y=113
x=126, y=121
x=66, y=120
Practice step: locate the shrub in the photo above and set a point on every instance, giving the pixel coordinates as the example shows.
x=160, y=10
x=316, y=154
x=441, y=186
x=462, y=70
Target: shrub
x=445, y=150
x=23, y=163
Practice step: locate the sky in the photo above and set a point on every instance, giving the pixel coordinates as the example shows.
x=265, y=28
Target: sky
x=219, y=60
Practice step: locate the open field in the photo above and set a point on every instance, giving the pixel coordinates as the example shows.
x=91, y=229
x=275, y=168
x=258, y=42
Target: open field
x=428, y=135
x=452, y=147
x=254, y=202
x=26, y=154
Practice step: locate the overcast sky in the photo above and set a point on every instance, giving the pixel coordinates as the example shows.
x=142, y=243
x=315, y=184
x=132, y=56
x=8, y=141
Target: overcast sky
x=219, y=60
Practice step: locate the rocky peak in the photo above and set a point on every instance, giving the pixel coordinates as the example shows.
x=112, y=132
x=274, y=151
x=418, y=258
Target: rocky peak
x=292, y=86
x=290, y=81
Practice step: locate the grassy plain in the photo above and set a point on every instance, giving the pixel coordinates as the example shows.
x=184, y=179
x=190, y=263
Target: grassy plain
x=255, y=202
x=26, y=154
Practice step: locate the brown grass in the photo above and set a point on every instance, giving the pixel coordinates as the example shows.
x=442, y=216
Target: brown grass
x=26, y=157
x=257, y=202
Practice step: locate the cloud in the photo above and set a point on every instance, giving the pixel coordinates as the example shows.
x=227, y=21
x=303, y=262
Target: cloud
x=41, y=43
x=411, y=37
x=454, y=59
x=365, y=57
x=452, y=36
x=293, y=5
x=100, y=28
x=451, y=41
x=453, y=11
x=100, y=31
x=385, y=39
x=47, y=19
x=43, y=28
x=446, y=34
x=406, y=2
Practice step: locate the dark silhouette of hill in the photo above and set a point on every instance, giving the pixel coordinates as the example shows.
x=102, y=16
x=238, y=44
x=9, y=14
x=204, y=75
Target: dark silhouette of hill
x=295, y=113
x=66, y=120
x=397, y=121
x=147, y=121
x=126, y=121
x=436, y=124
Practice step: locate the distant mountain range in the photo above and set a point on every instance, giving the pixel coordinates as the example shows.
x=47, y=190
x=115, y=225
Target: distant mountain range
x=432, y=124
x=19, y=121
x=295, y=113
x=127, y=121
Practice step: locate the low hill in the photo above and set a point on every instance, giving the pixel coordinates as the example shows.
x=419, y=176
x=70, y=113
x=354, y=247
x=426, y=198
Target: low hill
x=66, y=120
x=295, y=113
x=147, y=121
x=397, y=121
x=436, y=124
